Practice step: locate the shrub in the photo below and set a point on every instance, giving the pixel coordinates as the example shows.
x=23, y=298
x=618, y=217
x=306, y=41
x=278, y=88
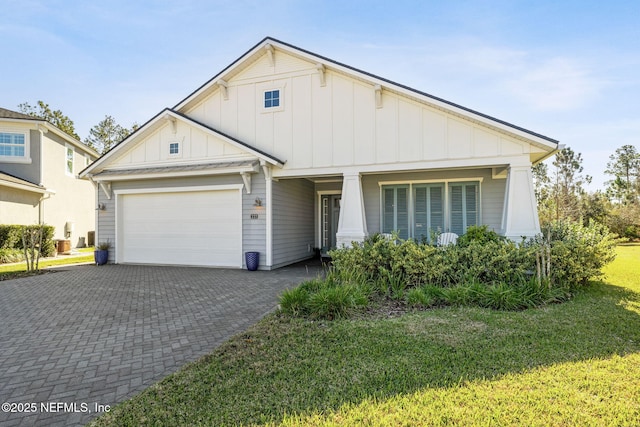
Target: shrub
x=11, y=238
x=484, y=269
x=479, y=234
x=578, y=252
x=11, y=255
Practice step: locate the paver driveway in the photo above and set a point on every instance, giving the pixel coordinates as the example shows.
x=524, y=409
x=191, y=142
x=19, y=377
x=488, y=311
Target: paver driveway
x=87, y=335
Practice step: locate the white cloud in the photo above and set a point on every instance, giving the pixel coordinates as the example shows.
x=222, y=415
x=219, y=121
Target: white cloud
x=555, y=84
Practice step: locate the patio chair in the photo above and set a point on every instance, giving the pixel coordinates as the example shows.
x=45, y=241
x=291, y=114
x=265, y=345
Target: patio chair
x=446, y=239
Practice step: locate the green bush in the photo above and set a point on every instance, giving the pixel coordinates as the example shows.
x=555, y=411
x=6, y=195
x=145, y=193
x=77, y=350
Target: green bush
x=11, y=255
x=479, y=234
x=483, y=269
x=11, y=238
x=578, y=252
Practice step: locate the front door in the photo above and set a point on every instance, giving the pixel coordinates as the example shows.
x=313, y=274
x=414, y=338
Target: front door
x=330, y=216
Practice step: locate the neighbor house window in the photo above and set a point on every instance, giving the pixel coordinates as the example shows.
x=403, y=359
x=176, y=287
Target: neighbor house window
x=69, y=160
x=422, y=211
x=272, y=98
x=13, y=144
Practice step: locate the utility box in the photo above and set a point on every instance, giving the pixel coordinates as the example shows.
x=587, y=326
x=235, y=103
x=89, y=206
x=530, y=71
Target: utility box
x=64, y=247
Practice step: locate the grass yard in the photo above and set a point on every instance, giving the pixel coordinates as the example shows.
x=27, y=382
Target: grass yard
x=576, y=363
x=10, y=271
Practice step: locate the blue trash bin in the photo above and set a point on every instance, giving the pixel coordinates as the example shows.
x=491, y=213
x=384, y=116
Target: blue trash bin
x=253, y=260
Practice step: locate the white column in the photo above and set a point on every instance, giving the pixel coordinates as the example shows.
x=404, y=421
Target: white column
x=520, y=213
x=352, y=224
x=268, y=177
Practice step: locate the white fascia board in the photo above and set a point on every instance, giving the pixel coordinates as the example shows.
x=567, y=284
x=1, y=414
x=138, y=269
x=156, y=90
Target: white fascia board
x=449, y=164
x=140, y=176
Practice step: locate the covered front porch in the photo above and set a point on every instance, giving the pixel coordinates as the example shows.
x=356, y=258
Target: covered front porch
x=418, y=204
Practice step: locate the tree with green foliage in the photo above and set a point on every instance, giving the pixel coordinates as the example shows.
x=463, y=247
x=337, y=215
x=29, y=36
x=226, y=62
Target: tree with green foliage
x=55, y=117
x=568, y=184
x=544, y=193
x=624, y=166
x=106, y=134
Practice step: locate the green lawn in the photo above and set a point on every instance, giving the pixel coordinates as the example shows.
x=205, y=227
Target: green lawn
x=576, y=363
x=8, y=271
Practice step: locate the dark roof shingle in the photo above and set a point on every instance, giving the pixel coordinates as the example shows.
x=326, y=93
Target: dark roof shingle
x=9, y=114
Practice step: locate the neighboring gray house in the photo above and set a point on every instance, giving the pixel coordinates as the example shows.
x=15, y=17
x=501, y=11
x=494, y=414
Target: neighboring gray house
x=38, y=177
x=286, y=150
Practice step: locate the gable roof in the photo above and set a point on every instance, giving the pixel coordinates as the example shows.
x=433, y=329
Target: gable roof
x=270, y=42
x=9, y=115
x=158, y=121
x=549, y=145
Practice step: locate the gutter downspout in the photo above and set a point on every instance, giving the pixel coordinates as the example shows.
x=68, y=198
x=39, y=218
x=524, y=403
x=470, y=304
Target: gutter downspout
x=97, y=197
x=47, y=195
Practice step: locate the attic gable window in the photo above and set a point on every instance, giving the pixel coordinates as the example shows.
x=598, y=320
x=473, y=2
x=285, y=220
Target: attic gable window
x=174, y=148
x=272, y=98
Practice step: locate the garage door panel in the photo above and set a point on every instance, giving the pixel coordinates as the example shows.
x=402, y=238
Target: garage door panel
x=182, y=228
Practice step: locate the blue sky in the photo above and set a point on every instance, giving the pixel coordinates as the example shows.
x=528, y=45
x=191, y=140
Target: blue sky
x=566, y=69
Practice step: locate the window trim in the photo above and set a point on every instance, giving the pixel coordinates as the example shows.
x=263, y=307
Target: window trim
x=280, y=106
x=446, y=199
x=26, y=158
x=68, y=147
x=169, y=154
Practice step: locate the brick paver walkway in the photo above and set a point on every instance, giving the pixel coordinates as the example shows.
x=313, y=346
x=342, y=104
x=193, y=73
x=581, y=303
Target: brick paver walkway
x=87, y=335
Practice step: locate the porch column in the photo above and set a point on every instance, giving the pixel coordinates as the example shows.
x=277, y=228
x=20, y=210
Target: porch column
x=352, y=224
x=520, y=213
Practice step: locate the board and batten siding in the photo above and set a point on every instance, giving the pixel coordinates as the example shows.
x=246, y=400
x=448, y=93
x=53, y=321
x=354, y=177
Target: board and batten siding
x=491, y=193
x=293, y=221
x=253, y=231
x=340, y=125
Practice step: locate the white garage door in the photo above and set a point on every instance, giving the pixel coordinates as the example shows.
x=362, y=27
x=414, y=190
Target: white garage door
x=181, y=228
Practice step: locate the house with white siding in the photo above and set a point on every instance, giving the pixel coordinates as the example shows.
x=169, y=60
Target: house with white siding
x=285, y=151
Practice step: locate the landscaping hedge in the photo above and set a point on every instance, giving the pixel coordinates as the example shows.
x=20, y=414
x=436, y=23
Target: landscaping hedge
x=482, y=269
x=11, y=238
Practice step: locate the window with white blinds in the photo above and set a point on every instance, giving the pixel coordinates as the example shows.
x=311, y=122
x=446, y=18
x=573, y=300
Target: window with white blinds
x=428, y=210
x=396, y=210
x=464, y=201
x=421, y=211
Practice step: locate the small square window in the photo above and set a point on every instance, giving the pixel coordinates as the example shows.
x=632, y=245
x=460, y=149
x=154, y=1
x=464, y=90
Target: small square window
x=272, y=98
x=174, y=148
